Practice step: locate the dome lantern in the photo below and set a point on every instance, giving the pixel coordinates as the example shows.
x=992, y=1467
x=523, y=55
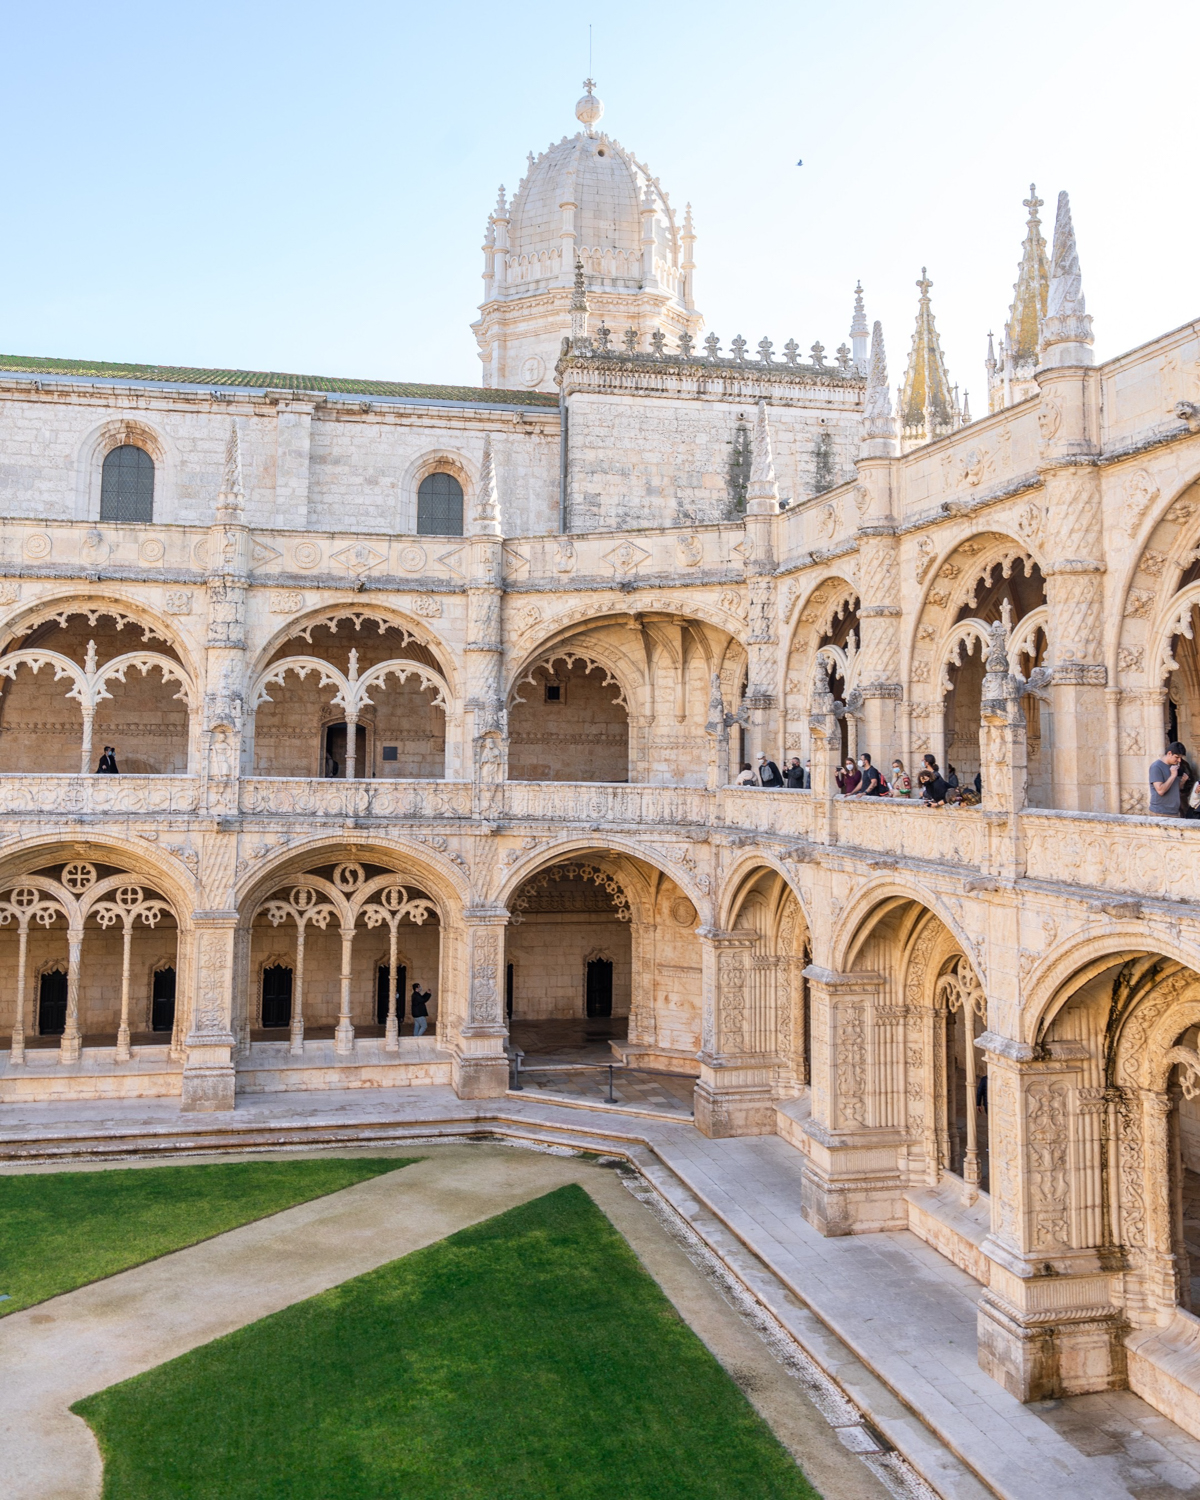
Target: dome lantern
x=589, y=109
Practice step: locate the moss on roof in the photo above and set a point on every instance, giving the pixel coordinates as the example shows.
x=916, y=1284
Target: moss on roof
x=272, y=380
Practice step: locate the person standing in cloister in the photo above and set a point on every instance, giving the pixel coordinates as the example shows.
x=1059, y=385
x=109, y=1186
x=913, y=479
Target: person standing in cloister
x=108, y=763
x=420, y=1010
x=1165, y=775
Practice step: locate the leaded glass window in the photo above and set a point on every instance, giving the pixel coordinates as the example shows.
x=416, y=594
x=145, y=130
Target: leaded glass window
x=127, y=485
x=440, y=506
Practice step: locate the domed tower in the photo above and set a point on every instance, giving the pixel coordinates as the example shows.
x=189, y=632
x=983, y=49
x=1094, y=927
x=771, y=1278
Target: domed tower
x=584, y=198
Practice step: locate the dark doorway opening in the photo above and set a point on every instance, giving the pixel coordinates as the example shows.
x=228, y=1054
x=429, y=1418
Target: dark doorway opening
x=381, y=993
x=508, y=991
x=52, y=1003
x=335, y=751
x=277, y=996
x=599, y=987
x=162, y=1001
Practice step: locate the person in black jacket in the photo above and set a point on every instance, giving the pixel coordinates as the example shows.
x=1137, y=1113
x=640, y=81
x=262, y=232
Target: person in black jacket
x=108, y=763
x=768, y=773
x=420, y=1010
x=794, y=778
x=933, y=789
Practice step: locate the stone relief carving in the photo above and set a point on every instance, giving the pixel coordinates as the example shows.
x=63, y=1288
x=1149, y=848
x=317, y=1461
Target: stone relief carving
x=286, y=601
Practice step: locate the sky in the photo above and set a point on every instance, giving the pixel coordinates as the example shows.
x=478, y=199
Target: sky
x=304, y=187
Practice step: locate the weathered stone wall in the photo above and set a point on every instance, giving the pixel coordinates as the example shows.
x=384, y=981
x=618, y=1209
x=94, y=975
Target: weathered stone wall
x=549, y=954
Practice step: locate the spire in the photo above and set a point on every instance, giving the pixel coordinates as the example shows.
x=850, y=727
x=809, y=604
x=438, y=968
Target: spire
x=858, y=332
x=762, y=493
x=926, y=411
x=231, y=500
x=579, y=308
x=1067, y=330
x=1024, y=327
x=485, y=518
x=878, y=428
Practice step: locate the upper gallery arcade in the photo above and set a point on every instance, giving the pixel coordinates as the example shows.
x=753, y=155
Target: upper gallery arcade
x=447, y=686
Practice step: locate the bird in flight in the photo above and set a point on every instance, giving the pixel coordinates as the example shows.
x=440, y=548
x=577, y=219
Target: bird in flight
x=800, y=163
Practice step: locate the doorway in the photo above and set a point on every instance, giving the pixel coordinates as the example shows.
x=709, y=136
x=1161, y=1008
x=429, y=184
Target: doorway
x=599, y=987
x=277, y=996
x=162, y=1001
x=381, y=993
x=52, y=1003
x=334, y=760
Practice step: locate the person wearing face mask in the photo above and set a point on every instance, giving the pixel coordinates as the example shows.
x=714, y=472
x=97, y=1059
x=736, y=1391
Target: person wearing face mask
x=870, y=781
x=847, y=778
x=901, y=780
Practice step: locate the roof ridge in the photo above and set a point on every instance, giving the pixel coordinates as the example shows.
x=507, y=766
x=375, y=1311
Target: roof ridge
x=268, y=379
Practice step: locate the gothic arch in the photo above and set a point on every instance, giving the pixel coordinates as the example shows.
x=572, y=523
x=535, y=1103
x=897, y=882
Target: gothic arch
x=354, y=617
x=589, y=850
x=745, y=863
x=439, y=878
x=886, y=892
x=135, y=613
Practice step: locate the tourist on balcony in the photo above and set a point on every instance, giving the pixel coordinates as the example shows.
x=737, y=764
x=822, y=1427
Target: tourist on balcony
x=933, y=788
x=420, y=1010
x=745, y=777
x=1165, y=776
x=901, y=780
x=108, y=763
x=870, y=781
x=793, y=777
x=768, y=772
x=847, y=778
x=929, y=762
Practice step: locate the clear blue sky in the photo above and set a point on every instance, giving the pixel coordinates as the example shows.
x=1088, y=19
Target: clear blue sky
x=304, y=187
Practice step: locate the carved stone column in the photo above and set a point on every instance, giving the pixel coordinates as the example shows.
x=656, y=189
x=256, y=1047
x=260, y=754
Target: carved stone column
x=208, y=1072
x=228, y=567
x=1068, y=420
x=825, y=750
x=485, y=723
x=1003, y=760
x=477, y=1037
x=1047, y=1325
x=762, y=638
x=734, y=1094
x=879, y=643
x=852, y=1177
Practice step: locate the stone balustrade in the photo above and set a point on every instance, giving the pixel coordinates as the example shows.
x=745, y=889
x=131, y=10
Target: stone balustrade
x=49, y=794
x=1131, y=857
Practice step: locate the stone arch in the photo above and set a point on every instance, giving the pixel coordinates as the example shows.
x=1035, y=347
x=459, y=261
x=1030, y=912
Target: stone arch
x=372, y=670
x=1154, y=652
x=980, y=579
x=759, y=899
x=115, y=433
x=132, y=614
x=827, y=615
x=885, y=891
x=573, y=710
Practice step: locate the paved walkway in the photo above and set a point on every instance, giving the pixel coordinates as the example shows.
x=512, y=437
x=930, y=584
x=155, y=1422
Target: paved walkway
x=55, y=1353
x=890, y=1319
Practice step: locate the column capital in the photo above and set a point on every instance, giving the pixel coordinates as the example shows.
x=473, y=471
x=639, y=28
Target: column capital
x=486, y=916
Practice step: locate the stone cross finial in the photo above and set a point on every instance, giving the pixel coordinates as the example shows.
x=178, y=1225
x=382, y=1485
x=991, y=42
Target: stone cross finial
x=791, y=351
x=765, y=346
x=631, y=339
x=685, y=345
x=657, y=341
x=739, y=349
x=603, y=338
x=713, y=345
x=843, y=358
x=818, y=354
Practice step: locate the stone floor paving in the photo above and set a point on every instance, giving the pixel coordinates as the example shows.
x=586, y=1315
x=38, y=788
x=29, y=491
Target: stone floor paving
x=886, y=1316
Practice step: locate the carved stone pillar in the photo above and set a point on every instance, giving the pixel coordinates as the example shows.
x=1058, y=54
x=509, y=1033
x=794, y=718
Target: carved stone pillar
x=734, y=1095
x=1068, y=421
x=228, y=567
x=1047, y=1325
x=208, y=1072
x=485, y=723
x=762, y=637
x=477, y=1036
x=1003, y=760
x=825, y=750
x=852, y=1178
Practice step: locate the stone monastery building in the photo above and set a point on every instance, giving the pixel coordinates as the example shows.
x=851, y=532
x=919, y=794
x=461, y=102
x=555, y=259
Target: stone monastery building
x=449, y=686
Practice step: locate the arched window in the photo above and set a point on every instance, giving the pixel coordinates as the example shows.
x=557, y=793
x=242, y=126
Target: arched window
x=440, y=506
x=127, y=485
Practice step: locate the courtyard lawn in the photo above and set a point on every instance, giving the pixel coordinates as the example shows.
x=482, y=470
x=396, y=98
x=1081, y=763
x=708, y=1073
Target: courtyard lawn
x=60, y=1230
x=527, y=1358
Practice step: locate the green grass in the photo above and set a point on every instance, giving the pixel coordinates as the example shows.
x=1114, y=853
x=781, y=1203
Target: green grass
x=61, y=1230
x=527, y=1358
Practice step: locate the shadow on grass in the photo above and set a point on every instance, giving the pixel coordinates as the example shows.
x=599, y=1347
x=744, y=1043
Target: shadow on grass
x=60, y=1230
x=525, y=1358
